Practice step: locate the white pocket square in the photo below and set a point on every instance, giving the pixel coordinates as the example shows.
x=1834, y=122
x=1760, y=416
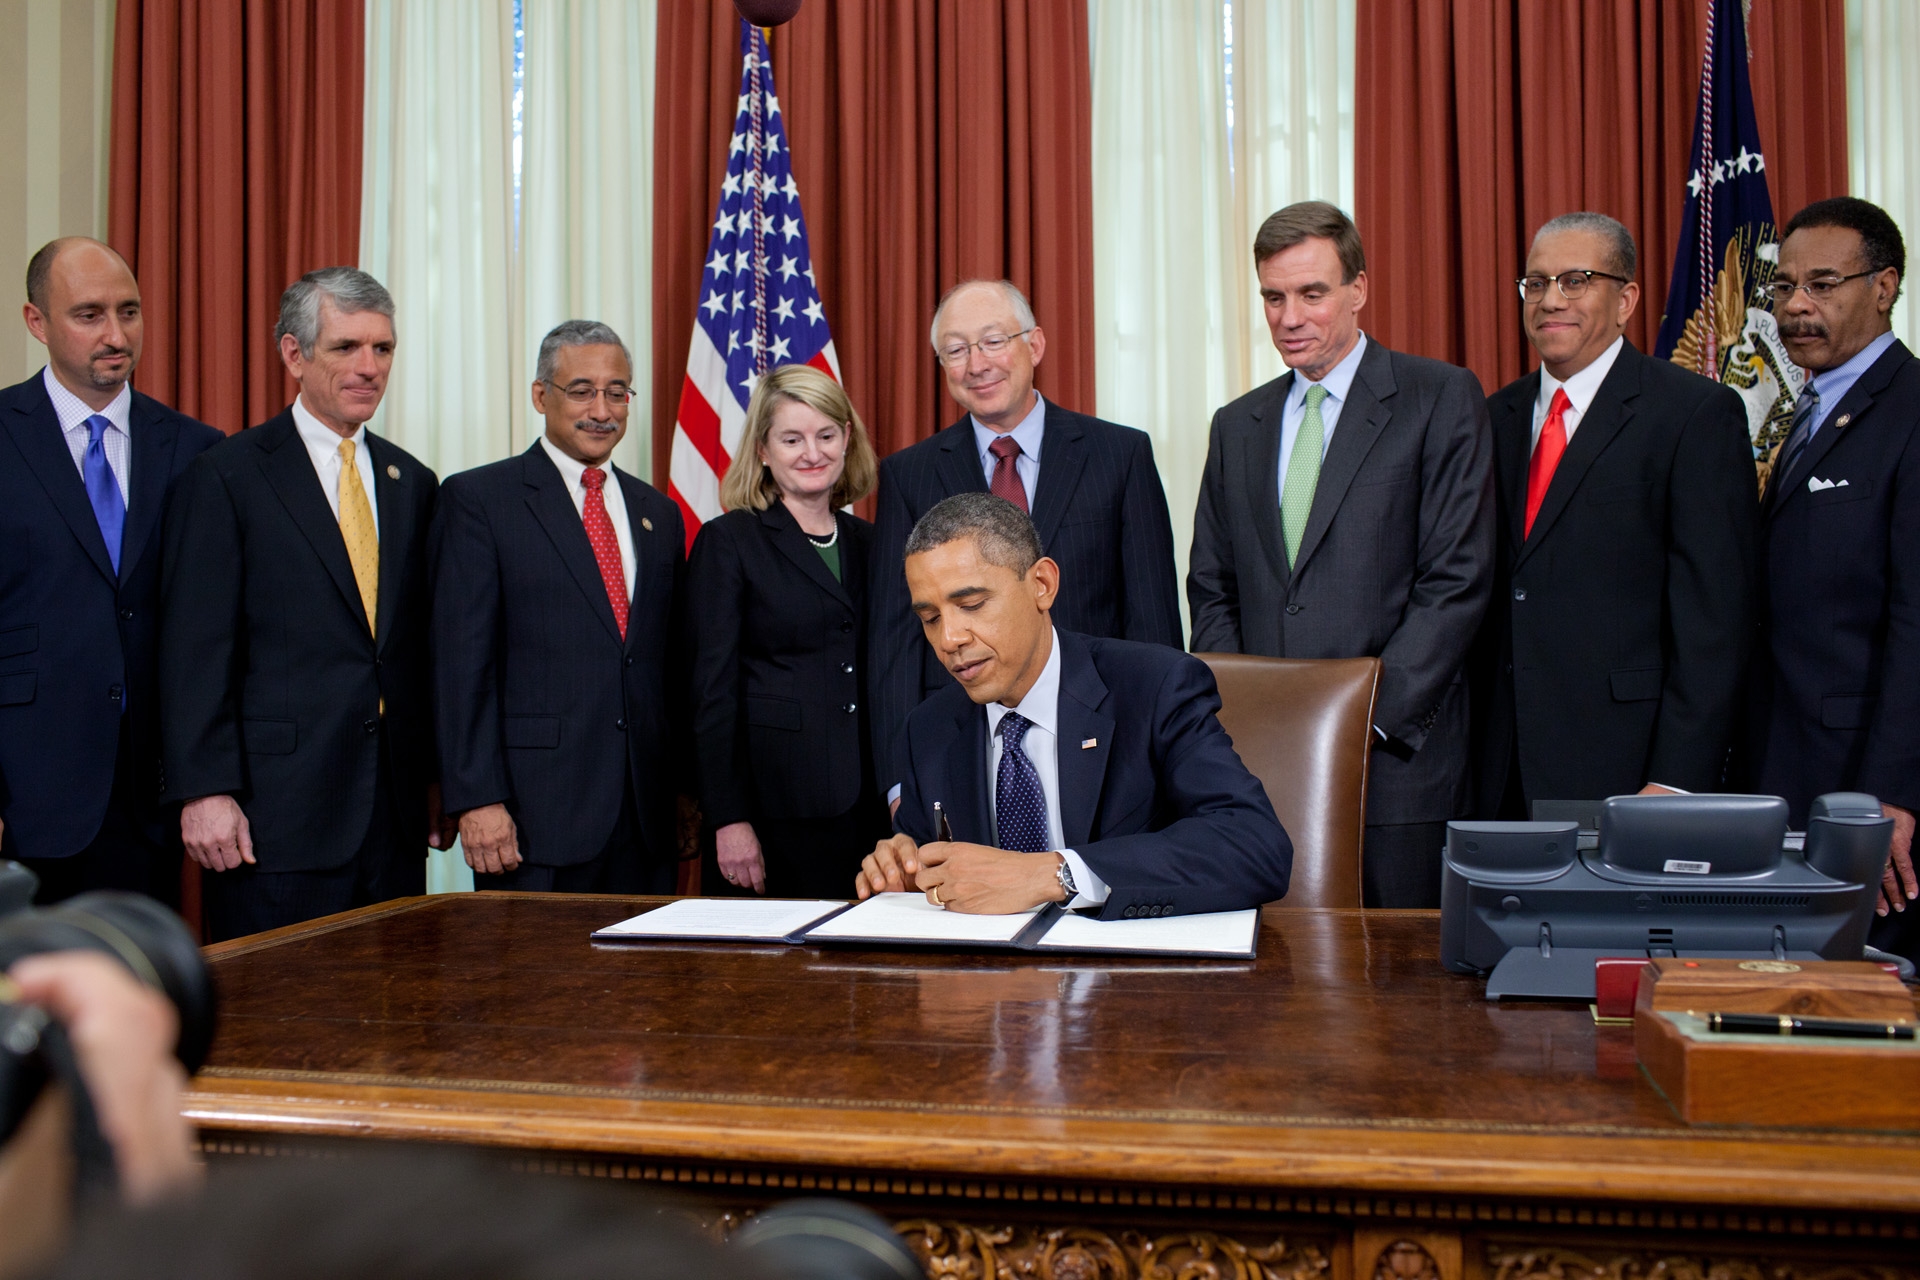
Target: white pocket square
x=1815, y=484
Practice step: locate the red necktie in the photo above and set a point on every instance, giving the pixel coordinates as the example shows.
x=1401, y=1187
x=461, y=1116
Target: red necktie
x=1006, y=477
x=606, y=546
x=1546, y=455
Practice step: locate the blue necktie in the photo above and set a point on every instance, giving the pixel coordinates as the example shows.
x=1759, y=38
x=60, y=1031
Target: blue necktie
x=103, y=491
x=1020, y=802
x=1806, y=418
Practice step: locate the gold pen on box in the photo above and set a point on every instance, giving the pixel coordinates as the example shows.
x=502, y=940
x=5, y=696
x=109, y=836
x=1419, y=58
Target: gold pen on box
x=942, y=829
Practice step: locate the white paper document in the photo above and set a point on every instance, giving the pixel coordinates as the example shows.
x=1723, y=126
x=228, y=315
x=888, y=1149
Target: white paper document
x=770, y=919
x=1225, y=933
x=909, y=917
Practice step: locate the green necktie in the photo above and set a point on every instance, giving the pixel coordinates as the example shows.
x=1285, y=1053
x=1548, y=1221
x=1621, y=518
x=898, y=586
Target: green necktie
x=1303, y=473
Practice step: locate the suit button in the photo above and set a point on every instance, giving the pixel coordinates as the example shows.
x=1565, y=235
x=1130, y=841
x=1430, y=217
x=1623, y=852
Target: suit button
x=627, y=661
x=1131, y=912
x=845, y=627
x=126, y=615
x=371, y=726
x=1519, y=593
x=1509, y=668
x=846, y=668
x=849, y=708
x=1293, y=608
x=620, y=725
x=114, y=693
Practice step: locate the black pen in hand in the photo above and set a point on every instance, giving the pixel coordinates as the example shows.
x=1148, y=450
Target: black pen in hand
x=942, y=829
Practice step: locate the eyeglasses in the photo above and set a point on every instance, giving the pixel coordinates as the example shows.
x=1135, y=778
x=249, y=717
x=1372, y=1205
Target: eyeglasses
x=1780, y=292
x=954, y=354
x=1571, y=284
x=586, y=393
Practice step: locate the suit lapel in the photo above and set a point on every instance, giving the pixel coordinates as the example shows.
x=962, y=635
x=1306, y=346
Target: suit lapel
x=289, y=470
x=1260, y=466
x=35, y=429
x=633, y=492
x=959, y=466
x=1845, y=417
x=154, y=438
x=1063, y=456
x=1362, y=419
x=552, y=507
x=1082, y=768
x=1513, y=446
x=966, y=802
x=1606, y=416
x=791, y=539
x=391, y=486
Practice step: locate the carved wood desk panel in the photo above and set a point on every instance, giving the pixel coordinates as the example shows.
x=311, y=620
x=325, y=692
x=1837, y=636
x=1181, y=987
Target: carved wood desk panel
x=1338, y=1106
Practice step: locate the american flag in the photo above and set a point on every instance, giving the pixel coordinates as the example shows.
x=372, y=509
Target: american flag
x=759, y=301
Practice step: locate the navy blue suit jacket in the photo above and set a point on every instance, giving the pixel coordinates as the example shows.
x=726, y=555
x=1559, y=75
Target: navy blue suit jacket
x=1836, y=693
x=75, y=637
x=1160, y=806
x=1100, y=512
x=272, y=686
x=541, y=706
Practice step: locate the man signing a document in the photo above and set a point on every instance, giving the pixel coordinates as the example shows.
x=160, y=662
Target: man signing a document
x=1061, y=767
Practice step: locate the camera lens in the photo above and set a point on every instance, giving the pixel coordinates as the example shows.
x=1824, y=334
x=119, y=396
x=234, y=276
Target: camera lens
x=142, y=935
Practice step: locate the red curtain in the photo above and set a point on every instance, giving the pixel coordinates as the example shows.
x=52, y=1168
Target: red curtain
x=235, y=169
x=1477, y=120
x=932, y=140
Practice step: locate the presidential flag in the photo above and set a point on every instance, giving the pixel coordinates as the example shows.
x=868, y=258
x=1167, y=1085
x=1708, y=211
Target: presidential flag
x=1718, y=322
x=759, y=301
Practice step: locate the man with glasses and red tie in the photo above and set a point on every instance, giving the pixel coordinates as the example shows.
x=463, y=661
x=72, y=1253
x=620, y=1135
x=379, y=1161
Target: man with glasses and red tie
x=557, y=588
x=1612, y=655
x=1836, y=689
x=86, y=464
x=1090, y=486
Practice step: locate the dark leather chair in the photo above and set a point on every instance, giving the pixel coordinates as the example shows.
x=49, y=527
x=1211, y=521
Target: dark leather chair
x=1304, y=727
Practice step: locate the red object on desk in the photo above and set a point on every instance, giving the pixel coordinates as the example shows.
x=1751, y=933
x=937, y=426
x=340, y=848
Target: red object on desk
x=1616, y=979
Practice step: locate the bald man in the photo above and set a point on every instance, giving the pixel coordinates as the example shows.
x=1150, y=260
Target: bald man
x=86, y=464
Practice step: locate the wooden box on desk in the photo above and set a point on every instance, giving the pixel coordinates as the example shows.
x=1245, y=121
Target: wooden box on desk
x=1780, y=1080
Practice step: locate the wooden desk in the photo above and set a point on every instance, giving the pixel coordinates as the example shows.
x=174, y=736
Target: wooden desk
x=1339, y=1106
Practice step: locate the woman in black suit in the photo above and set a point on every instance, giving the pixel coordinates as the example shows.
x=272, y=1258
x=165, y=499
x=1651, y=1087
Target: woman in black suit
x=777, y=592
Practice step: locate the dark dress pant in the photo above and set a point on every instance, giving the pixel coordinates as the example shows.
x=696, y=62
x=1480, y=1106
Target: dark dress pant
x=621, y=866
x=132, y=851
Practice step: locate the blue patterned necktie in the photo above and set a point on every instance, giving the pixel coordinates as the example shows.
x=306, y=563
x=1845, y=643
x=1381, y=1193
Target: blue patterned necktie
x=1020, y=802
x=103, y=491
x=1806, y=415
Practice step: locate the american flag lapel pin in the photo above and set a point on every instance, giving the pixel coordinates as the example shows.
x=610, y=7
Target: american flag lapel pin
x=393, y=472
x=646, y=523
x=1088, y=744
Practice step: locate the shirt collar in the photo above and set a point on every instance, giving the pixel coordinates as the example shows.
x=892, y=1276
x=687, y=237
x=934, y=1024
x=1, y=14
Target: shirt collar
x=72, y=411
x=1028, y=433
x=1831, y=384
x=1583, y=386
x=320, y=438
x=571, y=469
x=1339, y=379
x=1041, y=706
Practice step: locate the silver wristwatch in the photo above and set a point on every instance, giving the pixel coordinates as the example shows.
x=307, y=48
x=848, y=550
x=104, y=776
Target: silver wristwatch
x=1066, y=880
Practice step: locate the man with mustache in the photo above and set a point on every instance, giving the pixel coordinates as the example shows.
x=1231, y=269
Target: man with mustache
x=1612, y=655
x=1836, y=691
x=556, y=606
x=295, y=720
x=1068, y=768
x=86, y=464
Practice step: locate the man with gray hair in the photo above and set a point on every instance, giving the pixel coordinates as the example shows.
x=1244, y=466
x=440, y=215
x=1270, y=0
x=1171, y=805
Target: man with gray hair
x=296, y=727
x=556, y=613
x=1623, y=605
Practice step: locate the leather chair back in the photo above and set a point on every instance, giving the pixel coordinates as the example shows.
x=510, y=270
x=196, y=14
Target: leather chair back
x=1304, y=727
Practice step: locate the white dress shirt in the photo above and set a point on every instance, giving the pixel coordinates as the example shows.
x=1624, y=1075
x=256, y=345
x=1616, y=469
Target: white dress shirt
x=1581, y=388
x=1028, y=433
x=1041, y=708
x=571, y=470
x=1293, y=414
x=323, y=446
x=117, y=439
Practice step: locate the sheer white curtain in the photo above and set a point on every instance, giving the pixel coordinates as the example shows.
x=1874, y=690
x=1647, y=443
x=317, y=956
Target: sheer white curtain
x=1883, y=119
x=586, y=189
x=436, y=227
x=1178, y=194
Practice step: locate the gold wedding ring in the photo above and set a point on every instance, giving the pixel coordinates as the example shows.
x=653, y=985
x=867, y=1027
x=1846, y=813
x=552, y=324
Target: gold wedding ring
x=938, y=901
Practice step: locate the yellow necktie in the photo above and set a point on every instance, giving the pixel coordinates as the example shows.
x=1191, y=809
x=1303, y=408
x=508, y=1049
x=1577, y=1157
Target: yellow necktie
x=356, y=526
